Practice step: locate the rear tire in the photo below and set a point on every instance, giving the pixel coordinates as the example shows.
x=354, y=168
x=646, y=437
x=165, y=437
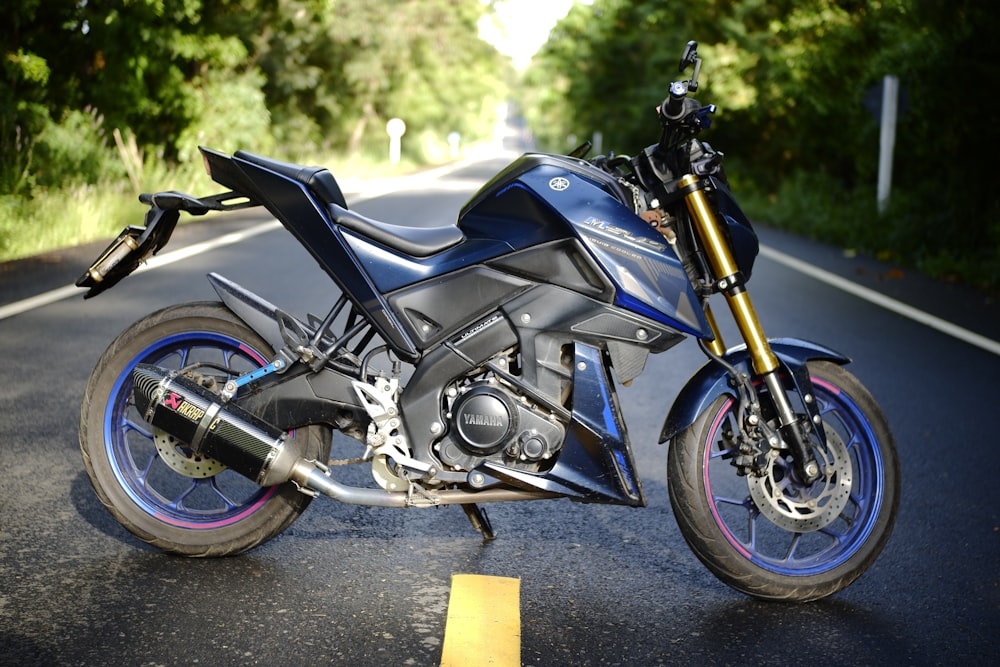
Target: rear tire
x=730, y=532
x=153, y=486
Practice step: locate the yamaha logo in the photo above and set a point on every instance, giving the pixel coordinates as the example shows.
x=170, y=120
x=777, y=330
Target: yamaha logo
x=559, y=183
x=471, y=419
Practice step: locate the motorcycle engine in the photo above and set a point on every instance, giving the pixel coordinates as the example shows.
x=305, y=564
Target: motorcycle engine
x=488, y=420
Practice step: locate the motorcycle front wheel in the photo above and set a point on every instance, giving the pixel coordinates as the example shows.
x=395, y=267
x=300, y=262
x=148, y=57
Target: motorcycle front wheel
x=153, y=484
x=770, y=536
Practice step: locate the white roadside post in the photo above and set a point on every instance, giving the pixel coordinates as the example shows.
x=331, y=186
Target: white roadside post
x=395, y=128
x=887, y=143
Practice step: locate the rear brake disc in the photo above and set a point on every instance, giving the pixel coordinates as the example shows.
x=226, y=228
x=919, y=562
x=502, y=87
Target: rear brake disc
x=182, y=459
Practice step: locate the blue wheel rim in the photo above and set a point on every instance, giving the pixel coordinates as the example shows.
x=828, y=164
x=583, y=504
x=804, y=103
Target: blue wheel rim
x=164, y=494
x=800, y=554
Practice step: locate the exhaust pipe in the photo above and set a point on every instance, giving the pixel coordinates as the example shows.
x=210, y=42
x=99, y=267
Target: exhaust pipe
x=240, y=440
x=263, y=452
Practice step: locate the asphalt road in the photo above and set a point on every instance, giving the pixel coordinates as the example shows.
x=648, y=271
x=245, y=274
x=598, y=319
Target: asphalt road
x=599, y=585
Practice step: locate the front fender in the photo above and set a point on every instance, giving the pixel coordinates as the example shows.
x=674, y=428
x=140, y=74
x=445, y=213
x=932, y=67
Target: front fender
x=712, y=380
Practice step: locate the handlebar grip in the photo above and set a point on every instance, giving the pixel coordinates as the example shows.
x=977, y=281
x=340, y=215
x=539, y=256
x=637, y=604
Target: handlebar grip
x=673, y=105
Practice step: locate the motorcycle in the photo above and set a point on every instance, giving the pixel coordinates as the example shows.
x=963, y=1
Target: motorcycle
x=477, y=362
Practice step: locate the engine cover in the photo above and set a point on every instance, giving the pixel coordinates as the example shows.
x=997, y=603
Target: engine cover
x=484, y=419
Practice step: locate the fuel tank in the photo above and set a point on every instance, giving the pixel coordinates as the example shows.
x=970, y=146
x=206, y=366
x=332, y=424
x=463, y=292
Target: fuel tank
x=542, y=197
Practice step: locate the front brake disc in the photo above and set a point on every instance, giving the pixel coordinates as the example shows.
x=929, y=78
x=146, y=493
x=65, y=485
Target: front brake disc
x=787, y=503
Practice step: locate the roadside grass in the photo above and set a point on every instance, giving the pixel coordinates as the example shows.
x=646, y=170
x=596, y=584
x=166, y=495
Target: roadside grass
x=54, y=218
x=919, y=233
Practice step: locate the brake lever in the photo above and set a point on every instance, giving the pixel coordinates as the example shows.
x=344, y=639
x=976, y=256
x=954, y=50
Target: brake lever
x=702, y=118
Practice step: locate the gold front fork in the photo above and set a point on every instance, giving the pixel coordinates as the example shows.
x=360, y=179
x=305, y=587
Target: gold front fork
x=723, y=265
x=717, y=346
x=730, y=281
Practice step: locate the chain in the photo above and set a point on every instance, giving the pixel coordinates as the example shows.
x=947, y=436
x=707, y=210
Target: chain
x=637, y=204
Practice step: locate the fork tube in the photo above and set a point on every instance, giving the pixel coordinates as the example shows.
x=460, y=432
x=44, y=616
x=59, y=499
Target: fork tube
x=727, y=273
x=717, y=346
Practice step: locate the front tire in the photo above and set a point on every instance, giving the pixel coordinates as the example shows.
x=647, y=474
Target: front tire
x=753, y=545
x=155, y=487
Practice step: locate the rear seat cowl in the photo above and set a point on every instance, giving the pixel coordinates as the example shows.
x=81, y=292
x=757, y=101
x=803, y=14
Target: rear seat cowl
x=318, y=179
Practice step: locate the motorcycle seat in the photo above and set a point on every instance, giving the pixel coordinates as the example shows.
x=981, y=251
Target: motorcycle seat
x=413, y=241
x=319, y=180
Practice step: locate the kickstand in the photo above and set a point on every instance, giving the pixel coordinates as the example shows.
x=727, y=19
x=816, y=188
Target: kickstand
x=480, y=521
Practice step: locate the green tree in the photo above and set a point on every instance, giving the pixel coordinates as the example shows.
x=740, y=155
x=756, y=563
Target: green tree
x=342, y=68
x=236, y=72
x=145, y=67
x=790, y=80
x=24, y=81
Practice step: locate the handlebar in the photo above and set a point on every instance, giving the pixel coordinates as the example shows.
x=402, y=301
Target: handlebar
x=672, y=108
x=675, y=107
x=681, y=119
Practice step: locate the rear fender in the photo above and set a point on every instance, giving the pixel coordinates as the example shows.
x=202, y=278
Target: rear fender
x=258, y=314
x=712, y=380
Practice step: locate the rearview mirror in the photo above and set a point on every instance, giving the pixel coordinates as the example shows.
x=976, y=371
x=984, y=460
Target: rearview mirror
x=689, y=57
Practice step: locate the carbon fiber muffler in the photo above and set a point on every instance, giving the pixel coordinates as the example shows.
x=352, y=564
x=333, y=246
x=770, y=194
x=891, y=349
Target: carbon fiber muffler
x=225, y=432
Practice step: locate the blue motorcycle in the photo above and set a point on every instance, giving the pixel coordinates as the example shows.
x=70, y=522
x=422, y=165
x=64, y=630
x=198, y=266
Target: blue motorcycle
x=477, y=362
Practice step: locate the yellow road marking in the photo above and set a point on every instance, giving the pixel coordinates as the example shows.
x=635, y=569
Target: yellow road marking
x=484, y=622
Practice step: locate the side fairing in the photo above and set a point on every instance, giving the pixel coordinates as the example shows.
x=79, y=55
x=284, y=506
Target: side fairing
x=649, y=278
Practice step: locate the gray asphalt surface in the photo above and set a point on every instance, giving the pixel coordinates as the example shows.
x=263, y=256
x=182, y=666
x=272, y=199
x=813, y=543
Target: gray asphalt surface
x=599, y=585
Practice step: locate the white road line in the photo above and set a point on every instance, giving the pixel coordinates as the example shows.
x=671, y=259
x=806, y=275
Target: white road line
x=60, y=293
x=883, y=301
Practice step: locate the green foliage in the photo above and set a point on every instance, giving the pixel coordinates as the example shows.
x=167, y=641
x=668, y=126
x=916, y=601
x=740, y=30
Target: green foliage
x=102, y=98
x=812, y=205
x=420, y=61
x=22, y=116
x=791, y=81
x=74, y=152
x=228, y=113
x=314, y=71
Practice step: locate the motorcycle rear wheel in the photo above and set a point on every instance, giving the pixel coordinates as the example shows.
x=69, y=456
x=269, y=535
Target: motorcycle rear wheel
x=156, y=488
x=722, y=520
